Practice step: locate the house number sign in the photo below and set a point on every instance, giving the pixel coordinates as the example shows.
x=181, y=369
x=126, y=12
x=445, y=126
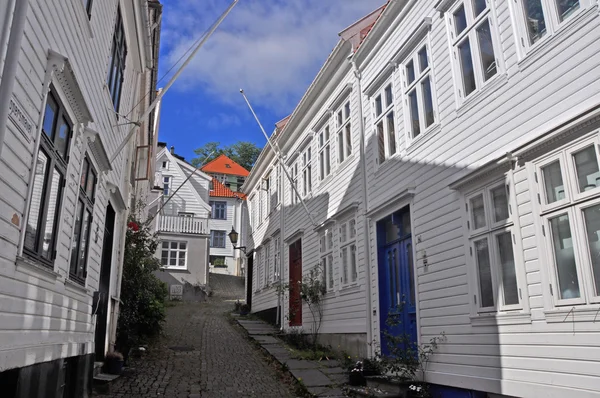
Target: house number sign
x=20, y=119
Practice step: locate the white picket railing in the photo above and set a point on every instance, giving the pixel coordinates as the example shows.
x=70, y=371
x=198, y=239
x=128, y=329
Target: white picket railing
x=182, y=225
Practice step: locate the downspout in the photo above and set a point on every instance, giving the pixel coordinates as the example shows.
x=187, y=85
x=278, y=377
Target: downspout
x=6, y=24
x=366, y=235
x=281, y=246
x=9, y=71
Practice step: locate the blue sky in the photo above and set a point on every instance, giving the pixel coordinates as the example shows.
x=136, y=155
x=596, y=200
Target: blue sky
x=271, y=48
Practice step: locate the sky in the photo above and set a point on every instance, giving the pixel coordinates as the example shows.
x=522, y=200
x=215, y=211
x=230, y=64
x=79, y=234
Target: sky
x=272, y=49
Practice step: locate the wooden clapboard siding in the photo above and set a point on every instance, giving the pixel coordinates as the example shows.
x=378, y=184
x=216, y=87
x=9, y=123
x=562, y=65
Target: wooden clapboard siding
x=44, y=317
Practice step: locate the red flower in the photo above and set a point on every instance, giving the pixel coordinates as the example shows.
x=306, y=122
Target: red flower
x=133, y=226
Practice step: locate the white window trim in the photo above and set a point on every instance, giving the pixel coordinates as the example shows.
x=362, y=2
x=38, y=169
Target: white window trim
x=553, y=25
x=573, y=206
x=267, y=264
x=350, y=245
x=307, y=183
x=490, y=231
x=471, y=32
x=386, y=110
x=407, y=88
x=324, y=149
x=169, y=182
x=340, y=131
x=176, y=251
x=326, y=245
x=276, y=258
x=294, y=197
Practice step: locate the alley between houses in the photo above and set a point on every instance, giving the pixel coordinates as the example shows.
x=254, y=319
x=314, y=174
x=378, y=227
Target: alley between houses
x=202, y=354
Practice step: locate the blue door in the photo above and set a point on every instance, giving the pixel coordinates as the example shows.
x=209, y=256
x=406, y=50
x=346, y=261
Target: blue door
x=397, y=310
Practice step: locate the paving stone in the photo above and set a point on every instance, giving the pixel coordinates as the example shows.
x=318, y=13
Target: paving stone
x=299, y=364
x=338, y=379
x=311, y=377
x=332, y=371
x=332, y=363
x=267, y=340
x=326, y=392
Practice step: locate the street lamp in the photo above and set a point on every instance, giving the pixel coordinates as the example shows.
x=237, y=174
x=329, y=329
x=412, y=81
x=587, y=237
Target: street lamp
x=233, y=237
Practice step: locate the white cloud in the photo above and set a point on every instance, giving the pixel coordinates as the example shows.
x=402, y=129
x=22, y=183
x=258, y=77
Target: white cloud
x=271, y=48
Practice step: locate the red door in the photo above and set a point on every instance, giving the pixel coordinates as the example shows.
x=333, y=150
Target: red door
x=295, y=317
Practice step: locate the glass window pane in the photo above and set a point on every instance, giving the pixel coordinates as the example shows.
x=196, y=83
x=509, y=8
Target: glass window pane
x=588, y=173
x=173, y=245
x=414, y=113
x=345, y=264
x=460, y=19
x=347, y=110
x=36, y=205
x=500, y=202
x=410, y=73
x=507, y=264
x=391, y=133
x=353, y=270
x=466, y=64
x=381, y=141
x=49, y=115
x=479, y=6
x=592, y=224
x=486, y=47
x=340, y=118
x=86, y=224
x=477, y=212
x=423, y=63
x=329, y=240
x=327, y=133
x=76, y=236
x=389, y=97
x=427, y=102
x=165, y=245
x=173, y=260
x=84, y=173
x=61, y=141
x=564, y=256
x=52, y=216
x=378, y=106
x=91, y=184
x=486, y=289
x=340, y=146
x=566, y=8
x=535, y=19
x=164, y=258
x=327, y=160
x=182, y=245
x=352, y=228
x=348, y=140
x=553, y=182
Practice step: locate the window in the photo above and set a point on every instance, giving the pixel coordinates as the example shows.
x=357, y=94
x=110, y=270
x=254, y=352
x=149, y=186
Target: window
x=185, y=214
x=166, y=186
x=87, y=4
x=569, y=192
x=219, y=210
x=474, y=44
x=260, y=269
x=274, y=187
x=48, y=182
x=218, y=261
x=116, y=64
x=276, y=247
x=83, y=222
x=267, y=188
x=347, y=232
x=173, y=254
x=267, y=265
x=253, y=212
x=326, y=245
x=306, y=172
x=385, y=125
x=344, y=132
x=217, y=239
x=324, y=153
x=491, y=241
x=165, y=165
x=419, y=112
x=294, y=188
x=541, y=17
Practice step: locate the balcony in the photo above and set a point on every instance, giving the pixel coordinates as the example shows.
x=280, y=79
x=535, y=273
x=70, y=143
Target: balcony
x=182, y=225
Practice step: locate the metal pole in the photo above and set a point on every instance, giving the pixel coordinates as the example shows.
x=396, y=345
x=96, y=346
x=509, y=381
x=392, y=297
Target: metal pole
x=170, y=83
x=280, y=159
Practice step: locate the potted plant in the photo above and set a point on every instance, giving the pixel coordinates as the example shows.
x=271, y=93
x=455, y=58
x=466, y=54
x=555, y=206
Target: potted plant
x=113, y=363
x=245, y=309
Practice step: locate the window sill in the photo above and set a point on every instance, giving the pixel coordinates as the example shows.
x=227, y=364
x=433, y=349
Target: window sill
x=573, y=314
x=174, y=269
x=349, y=289
x=475, y=98
x=76, y=287
x=421, y=140
x=39, y=269
x=547, y=44
x=494, y=319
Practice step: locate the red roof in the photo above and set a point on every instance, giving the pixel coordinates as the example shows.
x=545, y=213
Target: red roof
x=365, y=32
x=221, y=191
x=223, y=165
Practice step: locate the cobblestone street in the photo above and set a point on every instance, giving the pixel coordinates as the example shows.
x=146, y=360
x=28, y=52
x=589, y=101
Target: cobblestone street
x=201, y=355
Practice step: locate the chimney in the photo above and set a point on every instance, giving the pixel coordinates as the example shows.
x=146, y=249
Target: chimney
x=172, y=150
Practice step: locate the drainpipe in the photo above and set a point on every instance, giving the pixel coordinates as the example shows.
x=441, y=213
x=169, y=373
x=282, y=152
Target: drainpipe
x=363, y=167
x=281, y=245
x=11, y=63
x=5, y=34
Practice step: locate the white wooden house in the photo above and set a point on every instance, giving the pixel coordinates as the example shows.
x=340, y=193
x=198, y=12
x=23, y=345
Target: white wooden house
x=468, y=193
x=182, y=224
x=70, y=71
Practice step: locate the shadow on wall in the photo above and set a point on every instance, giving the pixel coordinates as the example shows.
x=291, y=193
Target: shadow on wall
x=189, y=292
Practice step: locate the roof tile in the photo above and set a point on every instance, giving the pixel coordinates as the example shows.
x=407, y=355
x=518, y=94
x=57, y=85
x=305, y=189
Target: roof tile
x=224, y=165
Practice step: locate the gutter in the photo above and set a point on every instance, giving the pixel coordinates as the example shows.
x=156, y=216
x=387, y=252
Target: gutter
x=5, y=34
x=9, y=72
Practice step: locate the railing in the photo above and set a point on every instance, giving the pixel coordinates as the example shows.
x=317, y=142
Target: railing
x=182, y=225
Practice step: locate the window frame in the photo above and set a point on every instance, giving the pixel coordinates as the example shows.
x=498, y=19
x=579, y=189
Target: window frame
x=387, y=109
x=490, y=232
x=56, y=162
x=350, y=245
x=324, y=144
x=167, y=180
x=470, y=33
x=77, y=271
x=573, y=205
x=212, y=239
x=117, y=60
x=417, y=86
x=343, y=131
x=177, y=251
x=276, y=257
x=307, y=171
x=294, y=197
x=326, y=249
x=214, y=210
